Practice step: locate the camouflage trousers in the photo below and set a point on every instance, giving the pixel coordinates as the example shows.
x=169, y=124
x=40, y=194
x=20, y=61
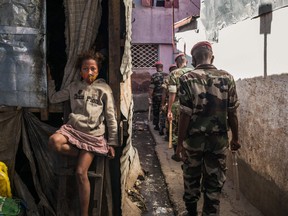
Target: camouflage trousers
x=163, y=118
x=156, y=105
x=175, y=112
x=205, y=170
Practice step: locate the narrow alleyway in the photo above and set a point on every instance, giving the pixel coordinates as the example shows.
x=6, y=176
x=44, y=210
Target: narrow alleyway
x=162, y=187
x=151, y=192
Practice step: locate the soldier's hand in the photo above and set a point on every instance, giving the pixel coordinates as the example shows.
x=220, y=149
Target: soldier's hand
x=181, y=153
x=149, y=101
x=234, y=145
x=170, y=116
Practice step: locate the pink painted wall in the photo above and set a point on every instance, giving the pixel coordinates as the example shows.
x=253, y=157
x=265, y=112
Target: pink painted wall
x=166, y=56
x=154, y=24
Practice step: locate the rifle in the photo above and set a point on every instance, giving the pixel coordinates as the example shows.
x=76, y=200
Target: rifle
x=235, y=174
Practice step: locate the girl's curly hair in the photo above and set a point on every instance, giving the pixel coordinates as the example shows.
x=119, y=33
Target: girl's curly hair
x=90, y=54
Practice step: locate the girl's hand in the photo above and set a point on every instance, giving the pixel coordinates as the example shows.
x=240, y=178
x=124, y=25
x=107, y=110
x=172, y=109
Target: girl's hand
x=111, y=152
x=49, y=77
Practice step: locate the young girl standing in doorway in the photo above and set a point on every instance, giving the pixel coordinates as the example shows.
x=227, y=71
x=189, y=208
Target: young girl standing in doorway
x=92, y=106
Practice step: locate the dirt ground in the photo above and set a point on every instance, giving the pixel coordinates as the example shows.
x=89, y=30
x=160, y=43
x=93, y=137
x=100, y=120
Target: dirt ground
x=150, y=192
x=161, y=189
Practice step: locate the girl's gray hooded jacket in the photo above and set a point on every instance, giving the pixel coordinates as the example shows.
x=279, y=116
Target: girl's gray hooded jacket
x=91, y=105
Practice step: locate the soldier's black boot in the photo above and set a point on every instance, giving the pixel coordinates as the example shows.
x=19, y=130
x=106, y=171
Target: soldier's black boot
x=175, y=148
x=156, y=127
x=192, y=209
x=161, y=132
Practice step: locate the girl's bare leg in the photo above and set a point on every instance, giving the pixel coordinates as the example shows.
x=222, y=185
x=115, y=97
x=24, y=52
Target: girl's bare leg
x=84, y=161
x=59, y=143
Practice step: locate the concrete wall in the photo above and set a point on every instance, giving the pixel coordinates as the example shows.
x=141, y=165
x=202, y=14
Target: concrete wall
x=263, y=133
x=240, y=49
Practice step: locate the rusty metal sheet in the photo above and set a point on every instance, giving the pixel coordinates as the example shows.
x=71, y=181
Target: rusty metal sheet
x=22, y=53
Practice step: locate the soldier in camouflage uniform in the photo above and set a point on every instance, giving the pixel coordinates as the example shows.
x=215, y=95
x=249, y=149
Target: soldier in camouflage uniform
x=208, y=103
x=173, y=104
x=155, y=92
x=164, y=103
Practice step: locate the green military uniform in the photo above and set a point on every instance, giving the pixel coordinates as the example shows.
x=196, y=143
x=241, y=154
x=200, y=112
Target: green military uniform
x=173, y=88
x=156, y=84
x=163, y=112
x=206, y=95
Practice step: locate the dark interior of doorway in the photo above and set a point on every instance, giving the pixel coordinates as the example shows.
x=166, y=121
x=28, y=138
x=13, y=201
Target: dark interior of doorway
x=57, y=59
x=56, y=47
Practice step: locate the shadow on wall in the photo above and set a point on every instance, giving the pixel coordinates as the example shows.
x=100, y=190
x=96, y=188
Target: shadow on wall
x=140, y=82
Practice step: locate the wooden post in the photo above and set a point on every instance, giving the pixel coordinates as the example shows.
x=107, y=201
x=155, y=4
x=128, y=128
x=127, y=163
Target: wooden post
x=114, y=75
x=170, y=135
x=115, y=78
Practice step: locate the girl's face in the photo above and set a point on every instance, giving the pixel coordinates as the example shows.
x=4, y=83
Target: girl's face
x=89, y=70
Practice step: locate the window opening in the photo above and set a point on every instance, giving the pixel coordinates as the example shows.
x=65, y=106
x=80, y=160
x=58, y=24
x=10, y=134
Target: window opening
x=160, y=3
x=144, y=55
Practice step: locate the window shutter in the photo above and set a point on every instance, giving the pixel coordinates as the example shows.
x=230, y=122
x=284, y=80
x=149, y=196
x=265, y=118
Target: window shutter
x=146, y=3
x=176, y=3
x=168, y=3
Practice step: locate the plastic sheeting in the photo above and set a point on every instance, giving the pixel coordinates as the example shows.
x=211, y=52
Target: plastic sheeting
x=82, y=23
x=216, y=15
x=32, y=171
x=22, y=53
x=43, y=162
x=126, y=64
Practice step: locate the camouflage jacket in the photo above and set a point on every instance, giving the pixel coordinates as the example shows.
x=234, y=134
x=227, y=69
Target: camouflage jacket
x=165, y=86
x=156, y=83
x=165, y=82
x=207, y=95
x=174, y=78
